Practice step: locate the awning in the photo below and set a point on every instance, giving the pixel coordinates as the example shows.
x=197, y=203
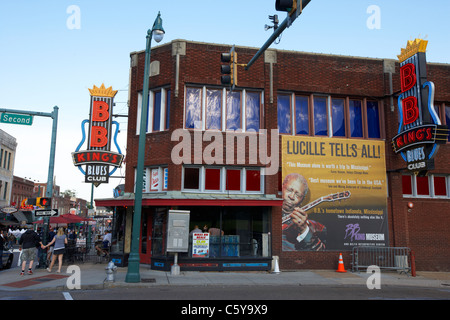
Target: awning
x=20, y=216
x=182, y=199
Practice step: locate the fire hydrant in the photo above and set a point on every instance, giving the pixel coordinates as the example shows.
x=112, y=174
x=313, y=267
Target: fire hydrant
x=111, y=269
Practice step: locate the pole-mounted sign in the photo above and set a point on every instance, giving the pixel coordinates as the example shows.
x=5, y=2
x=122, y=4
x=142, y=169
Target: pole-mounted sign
x=23, y=119
x=420, y=130
x=98, y=157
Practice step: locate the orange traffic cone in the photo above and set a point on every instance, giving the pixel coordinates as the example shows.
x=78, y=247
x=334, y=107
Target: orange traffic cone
x=341, y=264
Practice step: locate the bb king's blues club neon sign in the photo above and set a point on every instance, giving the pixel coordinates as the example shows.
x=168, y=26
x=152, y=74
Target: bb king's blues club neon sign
x=98, y=157
x=420, y=130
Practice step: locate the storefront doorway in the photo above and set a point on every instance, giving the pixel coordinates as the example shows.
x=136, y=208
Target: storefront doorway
x=146, y=238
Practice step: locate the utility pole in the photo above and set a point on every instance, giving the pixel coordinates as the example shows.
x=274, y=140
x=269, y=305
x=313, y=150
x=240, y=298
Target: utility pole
x=51, y=166
x=294, y=9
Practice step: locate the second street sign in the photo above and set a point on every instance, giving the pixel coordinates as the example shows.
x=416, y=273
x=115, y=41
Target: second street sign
x=46, y=212
x=13, y=118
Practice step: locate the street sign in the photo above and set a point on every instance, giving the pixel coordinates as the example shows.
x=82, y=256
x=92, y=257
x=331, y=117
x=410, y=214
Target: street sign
x=46, y=212
x=8, y=209
x=13, y=118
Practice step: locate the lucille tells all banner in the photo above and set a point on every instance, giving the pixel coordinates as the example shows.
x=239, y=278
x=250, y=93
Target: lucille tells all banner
x=345, y=202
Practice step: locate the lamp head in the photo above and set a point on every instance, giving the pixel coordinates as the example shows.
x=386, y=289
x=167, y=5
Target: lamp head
x=157, y=30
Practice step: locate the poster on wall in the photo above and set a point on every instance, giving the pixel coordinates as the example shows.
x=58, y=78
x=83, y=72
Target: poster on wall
x=200, y=245
x=334, y=194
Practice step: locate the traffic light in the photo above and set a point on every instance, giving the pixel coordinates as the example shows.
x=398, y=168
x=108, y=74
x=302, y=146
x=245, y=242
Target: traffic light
x=229, y=70
x=285, y=5
x=44, y=202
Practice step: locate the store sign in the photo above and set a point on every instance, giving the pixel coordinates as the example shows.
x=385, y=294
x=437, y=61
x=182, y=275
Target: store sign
x=98, y=158
x=420, y=131
x=9, y=210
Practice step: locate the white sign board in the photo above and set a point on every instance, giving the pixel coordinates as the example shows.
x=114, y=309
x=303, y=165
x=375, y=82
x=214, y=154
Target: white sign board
x=200, y=245
x=178, y=231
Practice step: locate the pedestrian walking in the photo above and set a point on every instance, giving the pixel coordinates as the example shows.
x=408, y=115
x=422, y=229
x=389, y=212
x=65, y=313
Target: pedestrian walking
x=28, y=243
x=2, y=243
x=60, y=241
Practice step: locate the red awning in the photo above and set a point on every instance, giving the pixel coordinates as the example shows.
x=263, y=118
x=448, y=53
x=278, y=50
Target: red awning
x=74, y=218
x=57, y=220
x=230, y=202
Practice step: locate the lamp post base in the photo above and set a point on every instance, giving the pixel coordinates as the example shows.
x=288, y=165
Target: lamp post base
x=133, y=275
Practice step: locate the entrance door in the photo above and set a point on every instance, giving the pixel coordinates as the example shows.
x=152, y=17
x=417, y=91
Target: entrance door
x=146, y=238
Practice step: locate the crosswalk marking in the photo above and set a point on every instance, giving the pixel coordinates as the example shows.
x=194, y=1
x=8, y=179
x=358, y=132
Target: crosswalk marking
x=67, y=296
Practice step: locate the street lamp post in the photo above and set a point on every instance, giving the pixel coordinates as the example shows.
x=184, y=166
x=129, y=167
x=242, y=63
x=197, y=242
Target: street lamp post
x=133, y=261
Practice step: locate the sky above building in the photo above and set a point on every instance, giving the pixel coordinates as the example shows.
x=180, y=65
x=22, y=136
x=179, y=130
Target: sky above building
x=52, y=52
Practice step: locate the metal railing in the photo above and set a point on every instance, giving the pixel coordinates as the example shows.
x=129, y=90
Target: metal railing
x=86, y=253
x=390, y=258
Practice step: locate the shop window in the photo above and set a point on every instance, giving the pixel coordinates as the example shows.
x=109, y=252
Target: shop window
x=154, y=179
x=193, y=108
x=346, y=117
x=252, y=111
x=214, y=109
x=5, y=190
x=158, y=234
x=223, y=179
x=284, y=113
x=320, y=116
x=407, y=185
x=191, y=178
x=355, y=110
x=233, y=110
x=233, y=180
x=253, y=180
x=338, y=117
x=301, y=115
x=440, y=186
x=373, y=120
x=221, y=109
x=167, y=115
x=158, y=113
x=447, y=118
x=212, y=179
x=425, y=187
x=234, y=232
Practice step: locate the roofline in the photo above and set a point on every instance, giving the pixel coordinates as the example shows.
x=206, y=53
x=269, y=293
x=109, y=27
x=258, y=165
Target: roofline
x=280, y=50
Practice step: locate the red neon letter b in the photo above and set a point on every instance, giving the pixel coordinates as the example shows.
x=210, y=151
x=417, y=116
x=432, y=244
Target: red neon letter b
x=407, y=76
x=100, y=111
x=98, y=137
x=410, y=110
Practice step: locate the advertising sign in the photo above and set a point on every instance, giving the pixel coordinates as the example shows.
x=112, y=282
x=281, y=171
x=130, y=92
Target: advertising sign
x=420, y=131
x=334, y=193
x=98, y=157
x=200, y=245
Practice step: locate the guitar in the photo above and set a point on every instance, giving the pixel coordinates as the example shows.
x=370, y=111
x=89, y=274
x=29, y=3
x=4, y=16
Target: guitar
x=329, y=198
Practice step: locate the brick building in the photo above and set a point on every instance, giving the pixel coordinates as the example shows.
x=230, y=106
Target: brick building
x=191, y=163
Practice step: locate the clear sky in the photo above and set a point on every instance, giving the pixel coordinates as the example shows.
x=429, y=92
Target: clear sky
x=51, y=52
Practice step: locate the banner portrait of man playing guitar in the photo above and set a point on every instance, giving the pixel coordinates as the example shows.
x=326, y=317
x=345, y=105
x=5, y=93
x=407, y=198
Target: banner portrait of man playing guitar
x=299, y=232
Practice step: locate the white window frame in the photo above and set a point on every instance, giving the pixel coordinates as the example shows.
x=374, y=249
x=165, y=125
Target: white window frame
x=162, y=117
x=243, y=123
x=432, y=194
x=223, y=187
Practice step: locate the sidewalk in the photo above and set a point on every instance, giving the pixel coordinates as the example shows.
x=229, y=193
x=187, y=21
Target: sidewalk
x=93, y=276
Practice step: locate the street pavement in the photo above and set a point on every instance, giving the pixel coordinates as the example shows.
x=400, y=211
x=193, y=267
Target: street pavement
x=93, y=276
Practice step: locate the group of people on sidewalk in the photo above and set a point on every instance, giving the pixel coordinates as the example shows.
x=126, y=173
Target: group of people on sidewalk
x=30, y=241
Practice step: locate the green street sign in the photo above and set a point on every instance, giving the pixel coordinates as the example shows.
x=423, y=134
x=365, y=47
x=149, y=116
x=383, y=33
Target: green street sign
x=13, y=118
